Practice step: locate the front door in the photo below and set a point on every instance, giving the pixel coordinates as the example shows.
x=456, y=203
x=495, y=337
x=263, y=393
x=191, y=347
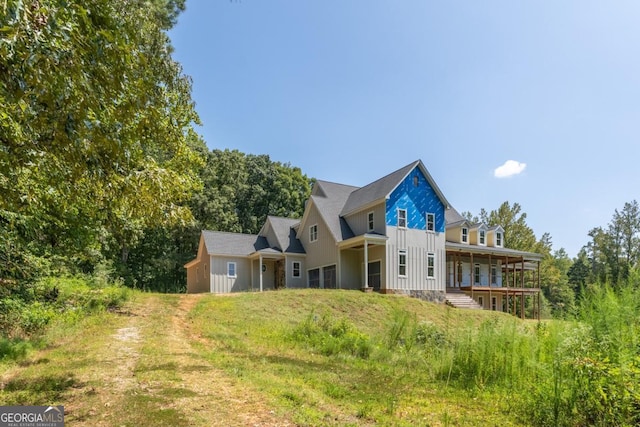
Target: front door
x=374, y=275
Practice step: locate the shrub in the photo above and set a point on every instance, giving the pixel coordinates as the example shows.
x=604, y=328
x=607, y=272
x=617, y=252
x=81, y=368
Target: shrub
x=332, y=337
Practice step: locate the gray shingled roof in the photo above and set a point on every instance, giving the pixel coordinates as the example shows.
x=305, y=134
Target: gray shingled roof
x=285, y=234
x=376, y=190
x=236, y=244
x=452, y=216
x=330, y=205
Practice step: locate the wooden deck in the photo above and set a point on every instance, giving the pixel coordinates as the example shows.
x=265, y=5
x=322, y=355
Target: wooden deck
x=499, y=290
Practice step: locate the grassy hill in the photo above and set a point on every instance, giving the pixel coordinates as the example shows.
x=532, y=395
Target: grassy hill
x=345, y=357
x=321, y=357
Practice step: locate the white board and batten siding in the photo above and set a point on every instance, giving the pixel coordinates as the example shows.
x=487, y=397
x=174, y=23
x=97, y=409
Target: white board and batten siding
x=323, y=251
x=417, y=243
x=296, y=282
x=221, y=282
x=359, y=222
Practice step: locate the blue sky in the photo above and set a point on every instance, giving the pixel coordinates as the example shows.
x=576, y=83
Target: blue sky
x=350, y=91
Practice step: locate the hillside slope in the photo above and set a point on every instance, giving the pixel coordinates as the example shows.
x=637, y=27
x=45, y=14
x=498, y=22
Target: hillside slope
x=310, y=357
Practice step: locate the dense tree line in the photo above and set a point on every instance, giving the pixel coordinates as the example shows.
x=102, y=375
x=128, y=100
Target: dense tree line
x=100, y=164
x=612, y=253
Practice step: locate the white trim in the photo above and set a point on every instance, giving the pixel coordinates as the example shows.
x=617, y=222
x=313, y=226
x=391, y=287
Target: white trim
x=319, y=277
x=405, y=218
x=293, y=269
x=431, y=255
x=499, y=236
x=432, y=223
x=371, y=223
x=482, y=237
x=235, y=269
x=320, y=268
x=462, y=235
x=313, y=237
x=402, y=252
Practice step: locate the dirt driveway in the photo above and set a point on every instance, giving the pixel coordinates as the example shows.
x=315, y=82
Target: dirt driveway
x=142, y=367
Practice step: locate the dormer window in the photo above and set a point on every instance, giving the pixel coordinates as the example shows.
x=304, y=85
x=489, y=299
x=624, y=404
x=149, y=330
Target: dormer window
x=370, y=223
x=402, y=218
x=431, y=222
x=465, y=235
x=499, y=239
x=482, y=237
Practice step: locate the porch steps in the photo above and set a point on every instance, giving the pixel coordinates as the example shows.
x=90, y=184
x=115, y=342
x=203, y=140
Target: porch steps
x=459, y=299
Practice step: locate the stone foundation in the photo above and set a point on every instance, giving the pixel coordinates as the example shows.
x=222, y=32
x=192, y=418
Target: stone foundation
x=430, y=296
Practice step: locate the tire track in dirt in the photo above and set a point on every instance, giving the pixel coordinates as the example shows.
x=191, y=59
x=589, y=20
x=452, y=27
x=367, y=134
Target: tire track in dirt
x=219, y=400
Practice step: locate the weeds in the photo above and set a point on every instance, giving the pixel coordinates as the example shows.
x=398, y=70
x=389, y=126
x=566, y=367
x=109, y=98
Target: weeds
x=26, y=310
x=332, y=337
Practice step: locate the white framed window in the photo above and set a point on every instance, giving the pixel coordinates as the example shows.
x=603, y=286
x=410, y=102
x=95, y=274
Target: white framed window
x=476, y=274
x=402, y=218
x=402, y=262
x=231, y=269
x=431, y=265
x=498, y=239
x=370, y=222
x=296, y=269
x=494, y=275
x=313, y=233
x=465, y=235
x=431, y=221
x=482, y=237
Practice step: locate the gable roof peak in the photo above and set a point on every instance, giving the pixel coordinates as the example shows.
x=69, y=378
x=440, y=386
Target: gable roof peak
x=381, y=188
x=325, y=189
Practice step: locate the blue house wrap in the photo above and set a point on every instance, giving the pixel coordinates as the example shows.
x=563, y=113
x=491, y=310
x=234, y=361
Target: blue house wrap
x=418, y=198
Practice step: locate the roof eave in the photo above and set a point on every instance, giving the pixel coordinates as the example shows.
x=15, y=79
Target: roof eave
x=430, y=180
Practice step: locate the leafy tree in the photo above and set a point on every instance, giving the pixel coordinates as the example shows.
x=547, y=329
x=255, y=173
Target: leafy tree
x=578, y=272
x=240, y=190
x=614, y=252
x=96, y=127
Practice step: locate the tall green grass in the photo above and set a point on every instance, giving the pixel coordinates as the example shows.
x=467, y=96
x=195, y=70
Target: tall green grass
x=556, y=373
x=27, y=310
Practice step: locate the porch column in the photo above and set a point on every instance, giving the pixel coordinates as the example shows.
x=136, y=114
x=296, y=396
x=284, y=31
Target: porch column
x=471, y=272
x=490, y=283
x=260, y=270
x=522, y=284
x=251, y=270
x=539, y=307
x=505, y=279
x=366, y=263
x=339, y=270
x=515, y=295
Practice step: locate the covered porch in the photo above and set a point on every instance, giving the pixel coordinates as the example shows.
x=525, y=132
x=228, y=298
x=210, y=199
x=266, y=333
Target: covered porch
x=362, y=262
x=267, y=270
x=496, y=278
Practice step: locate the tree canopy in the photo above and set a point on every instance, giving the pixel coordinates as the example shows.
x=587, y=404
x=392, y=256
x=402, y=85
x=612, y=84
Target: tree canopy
x=96, y=127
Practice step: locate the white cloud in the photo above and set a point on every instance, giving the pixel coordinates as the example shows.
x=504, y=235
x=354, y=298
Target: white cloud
x=509, y=168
